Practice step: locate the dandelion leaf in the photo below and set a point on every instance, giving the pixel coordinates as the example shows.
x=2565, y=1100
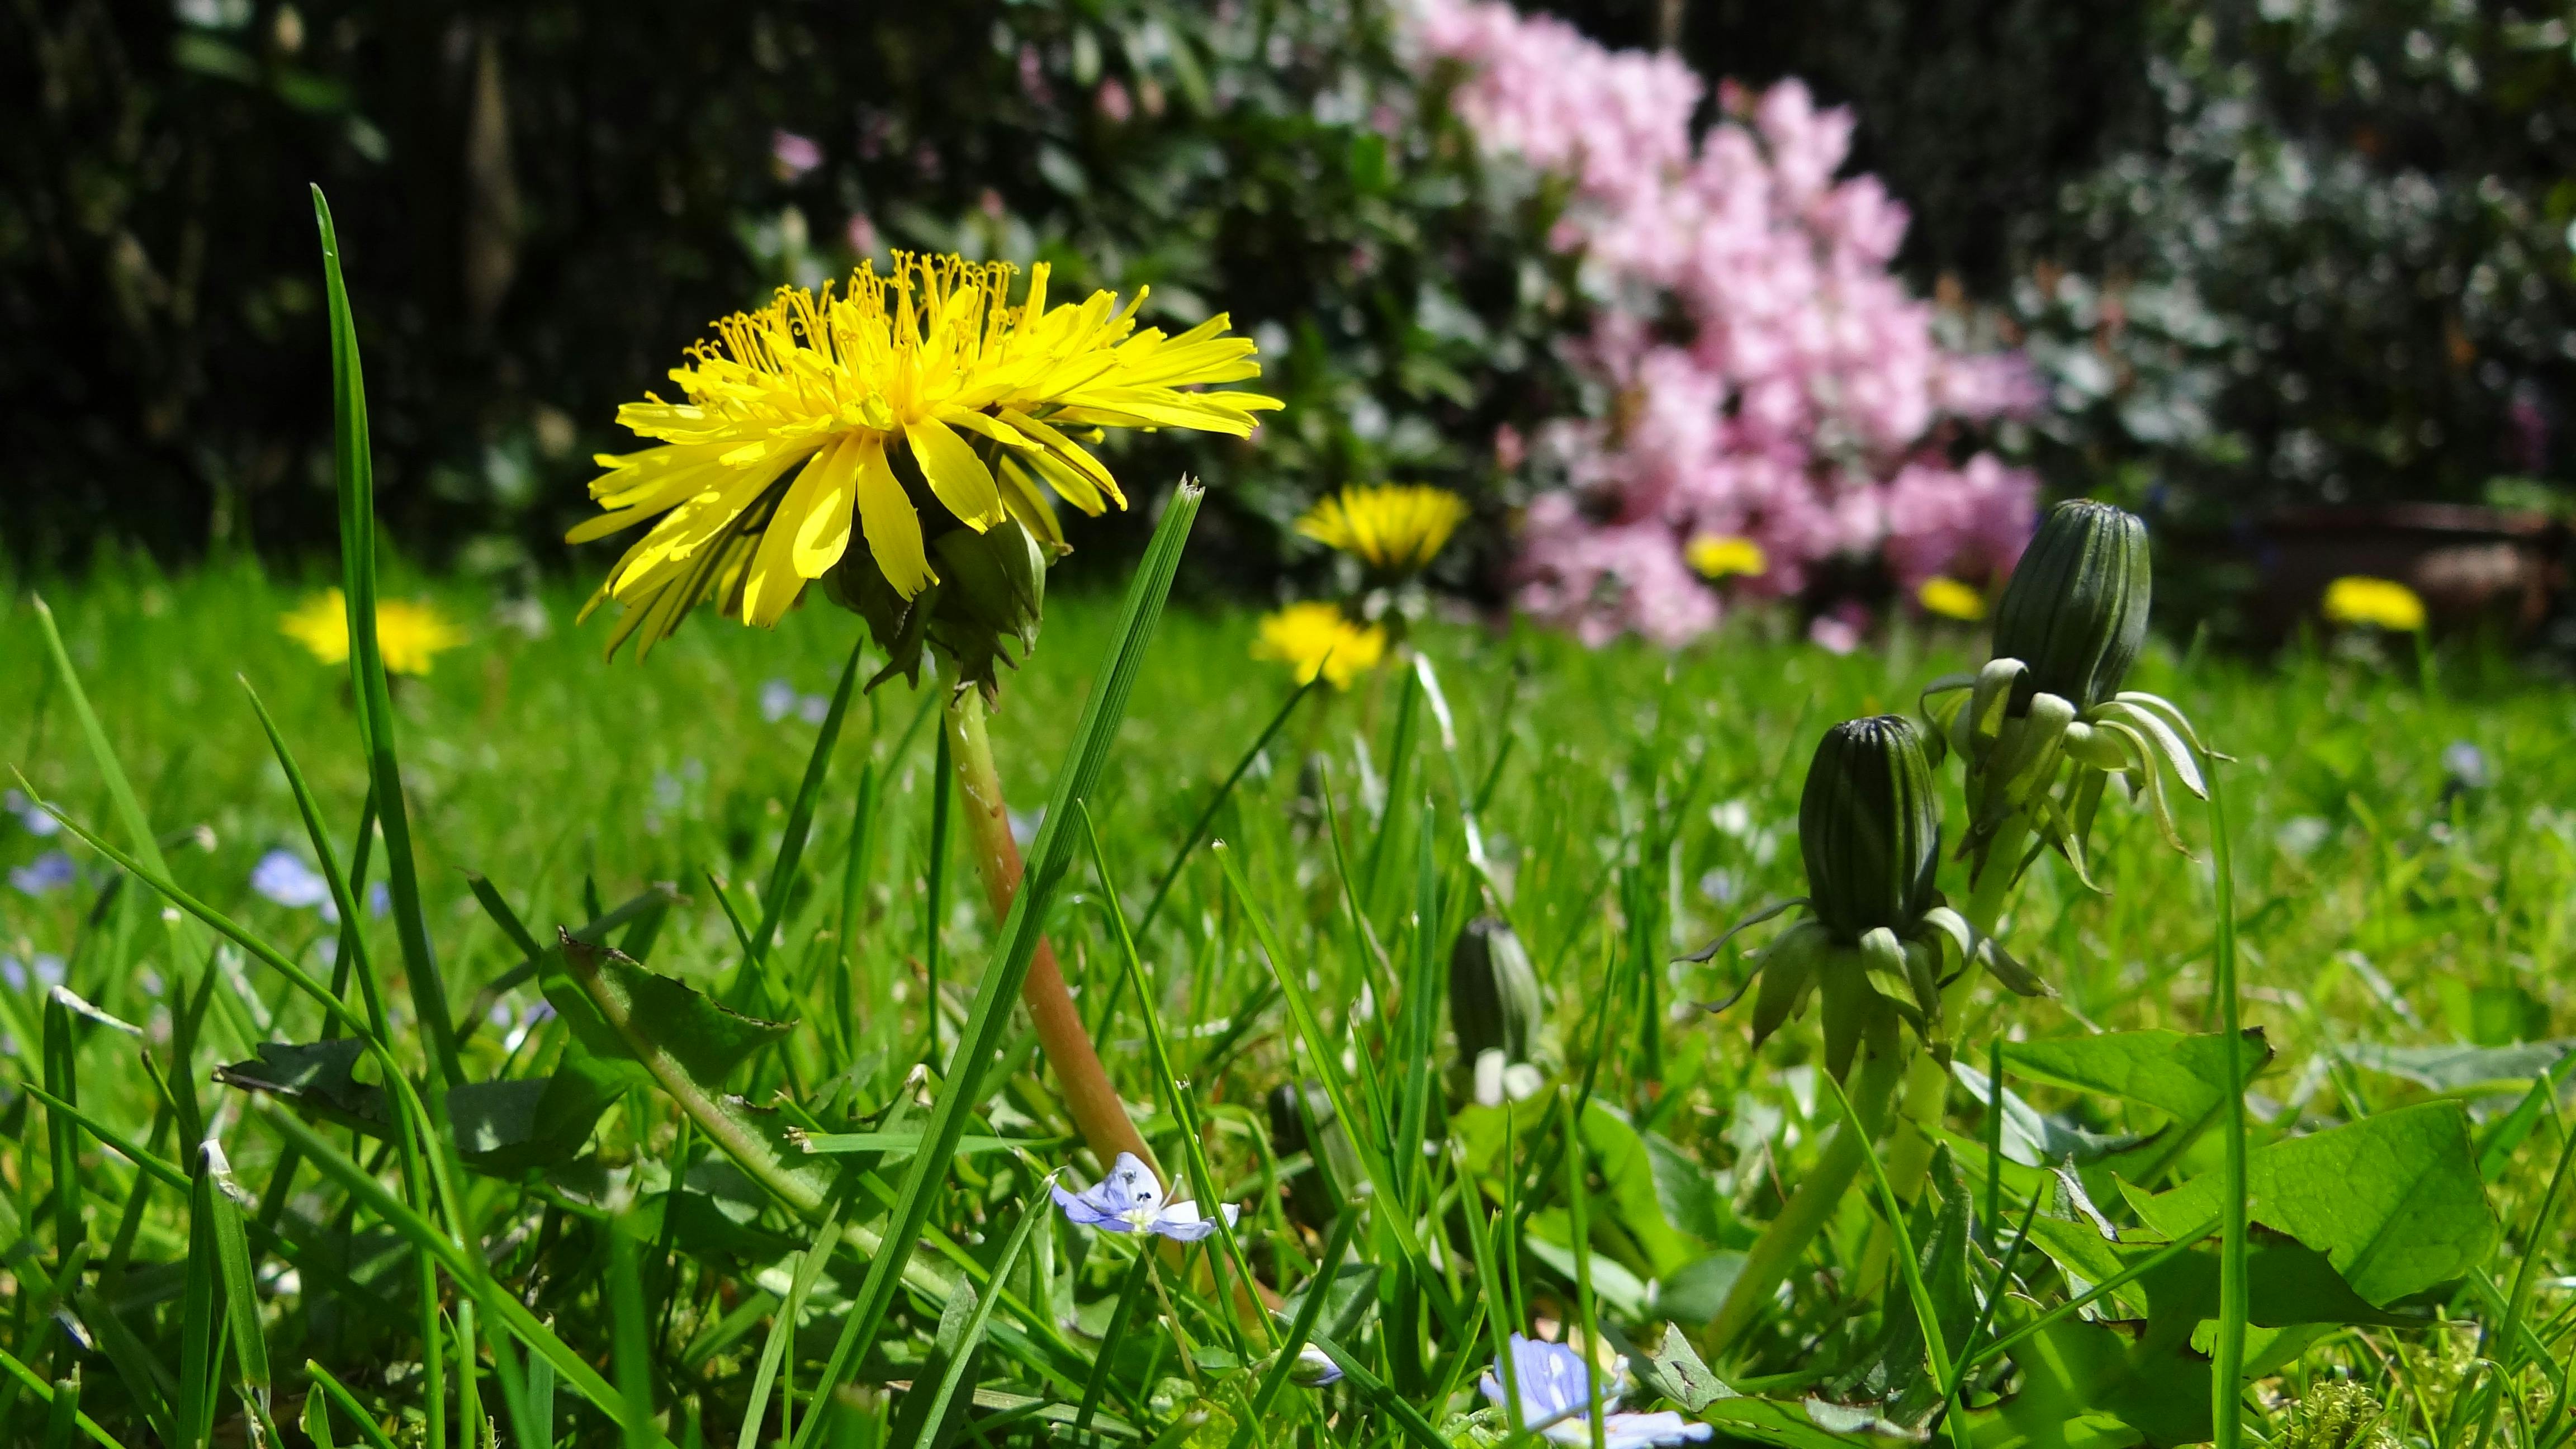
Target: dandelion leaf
x=2394, y=1201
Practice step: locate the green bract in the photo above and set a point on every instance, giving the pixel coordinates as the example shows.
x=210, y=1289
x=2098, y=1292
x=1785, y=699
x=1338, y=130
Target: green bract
x=2075, y=610
x=2044, y=725
x=1880, y=944
x=989, y=597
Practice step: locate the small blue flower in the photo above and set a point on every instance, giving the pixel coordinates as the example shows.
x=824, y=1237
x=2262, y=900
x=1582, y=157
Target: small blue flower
x=46, y=874
x=1128, y=1200
x=1556, y=1389
x=2464, y=762
x=37, y=819
x=283, y=877
x=1314, y=1369
x=777, y=700
x=379, y=899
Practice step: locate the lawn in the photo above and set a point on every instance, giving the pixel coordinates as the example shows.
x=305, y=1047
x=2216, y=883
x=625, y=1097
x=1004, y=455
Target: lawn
x=2404, y=860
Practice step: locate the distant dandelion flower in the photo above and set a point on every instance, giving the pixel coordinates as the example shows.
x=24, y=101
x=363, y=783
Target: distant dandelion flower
x=46, y=874
x=408, y=635
x=1556, y=1390
x=2379, y=603
x=1395, y=529
x=1718, y=556
x=1128, y=1200
x=798, y=413
x=283, y=877
x=1319, y=638
x=1951, y=599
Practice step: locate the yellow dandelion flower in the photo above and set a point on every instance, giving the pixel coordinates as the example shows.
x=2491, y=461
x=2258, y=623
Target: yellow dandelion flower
x=1395, y=529
x=408, y=635
x=1716, y=556
x=1316, y=639
x=804, y=419
x=1950, y=599
x=2381, y=603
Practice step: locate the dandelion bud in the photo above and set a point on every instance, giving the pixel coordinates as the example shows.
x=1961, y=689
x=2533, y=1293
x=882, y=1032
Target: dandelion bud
x=995, y=580
x=1869, y=826
x=2075, y=609
x=1493, y=993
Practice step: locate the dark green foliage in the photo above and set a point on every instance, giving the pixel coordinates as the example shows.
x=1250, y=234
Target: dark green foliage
x=548, y=202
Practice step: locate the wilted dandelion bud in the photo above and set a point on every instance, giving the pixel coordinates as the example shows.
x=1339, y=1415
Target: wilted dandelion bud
x=1493, y=994
x=2075, y=610
x=1869, y=826
x=1312, y=1196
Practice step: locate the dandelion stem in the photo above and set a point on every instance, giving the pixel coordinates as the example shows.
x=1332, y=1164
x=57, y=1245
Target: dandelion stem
x=2227, y=1363
x=1094, y=1104
x=1809, y=1208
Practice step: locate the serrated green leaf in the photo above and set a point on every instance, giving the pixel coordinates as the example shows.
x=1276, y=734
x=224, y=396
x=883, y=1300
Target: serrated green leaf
x=2393, y=1201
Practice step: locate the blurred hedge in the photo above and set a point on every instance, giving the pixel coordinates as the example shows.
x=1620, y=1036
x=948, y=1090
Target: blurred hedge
x=542, y=204
x=2274, y=253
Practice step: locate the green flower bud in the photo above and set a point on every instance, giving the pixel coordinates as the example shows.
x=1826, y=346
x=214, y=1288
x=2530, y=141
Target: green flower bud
x=2075, y=609
x=990, y=595
x=1869, y=827
x=1493, y=993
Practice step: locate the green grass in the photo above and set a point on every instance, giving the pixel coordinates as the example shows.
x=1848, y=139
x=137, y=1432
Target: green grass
x=1642, y=802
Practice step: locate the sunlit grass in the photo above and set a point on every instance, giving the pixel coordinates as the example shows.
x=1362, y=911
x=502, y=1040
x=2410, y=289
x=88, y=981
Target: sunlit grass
x=1638, y=804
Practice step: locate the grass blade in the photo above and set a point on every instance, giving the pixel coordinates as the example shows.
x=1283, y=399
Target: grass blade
x=782, y=1330
x=335, y=1392
x=29, y=1379
x=1199, y=827
x=962, y=1353
x=355, y=469
x=1016, y=945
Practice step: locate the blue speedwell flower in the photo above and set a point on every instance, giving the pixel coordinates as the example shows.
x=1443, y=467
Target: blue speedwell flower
x=33, y=816
x=46, y=874
x=283, y=877
x=1128, y=1200
x=1556, y=1392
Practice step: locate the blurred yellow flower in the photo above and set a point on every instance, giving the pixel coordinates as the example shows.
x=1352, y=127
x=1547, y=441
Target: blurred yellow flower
x=1950, y=599
x=1716, y=556
x=798, y=413
x=2380, y=603
x=1393, y=528
x=409, y=635
x=1320, y=638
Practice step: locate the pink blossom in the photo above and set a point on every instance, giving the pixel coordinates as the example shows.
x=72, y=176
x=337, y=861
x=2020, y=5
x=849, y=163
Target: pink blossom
x=1804, y=404
x=861, y=233
x=1114, y=102
x=794, y=155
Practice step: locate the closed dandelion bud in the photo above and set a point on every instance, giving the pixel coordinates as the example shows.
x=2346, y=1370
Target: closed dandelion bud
x=995, y=579
x=1493, y=993
x=1869, y=827
x=2075, y=609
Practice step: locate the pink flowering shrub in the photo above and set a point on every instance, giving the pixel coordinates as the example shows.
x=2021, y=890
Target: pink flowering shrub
x=1756, y=372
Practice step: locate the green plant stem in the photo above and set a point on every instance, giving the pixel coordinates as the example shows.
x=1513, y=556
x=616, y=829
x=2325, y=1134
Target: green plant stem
x=2227, y=1363
x=1819, y=1193
x=1927, y=1082
x=1094, y=1104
